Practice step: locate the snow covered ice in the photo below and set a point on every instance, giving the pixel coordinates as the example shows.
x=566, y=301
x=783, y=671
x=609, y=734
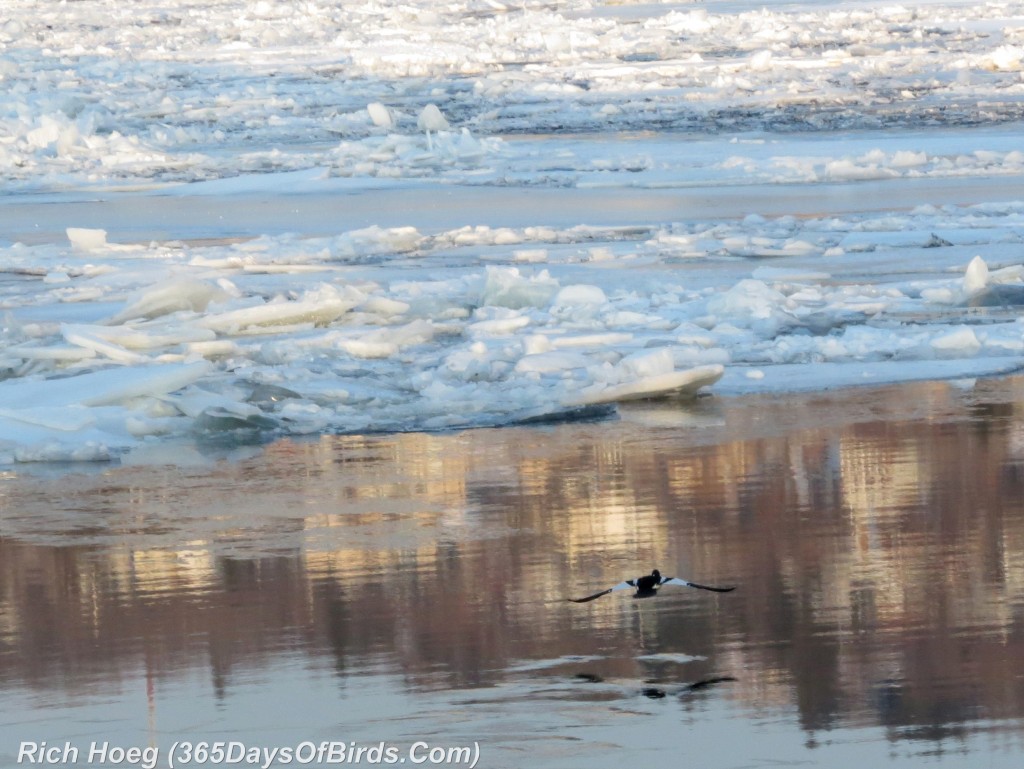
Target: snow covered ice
x=254, y=219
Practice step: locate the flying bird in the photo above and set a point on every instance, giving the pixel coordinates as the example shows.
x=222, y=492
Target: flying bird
x=647, y=586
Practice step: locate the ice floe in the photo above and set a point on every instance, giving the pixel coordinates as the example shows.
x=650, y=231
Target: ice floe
x=446, y=309
x=177, y=91
x=188, y=340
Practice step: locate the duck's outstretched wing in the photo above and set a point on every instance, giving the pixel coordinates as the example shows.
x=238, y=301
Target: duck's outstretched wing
x=684, y=583
x=706, y=682
x=629, y=583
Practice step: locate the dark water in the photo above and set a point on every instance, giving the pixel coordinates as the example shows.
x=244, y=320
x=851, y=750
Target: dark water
x=410, y=589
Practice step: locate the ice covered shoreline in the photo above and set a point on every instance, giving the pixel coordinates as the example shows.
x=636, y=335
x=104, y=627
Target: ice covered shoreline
x=258, y=219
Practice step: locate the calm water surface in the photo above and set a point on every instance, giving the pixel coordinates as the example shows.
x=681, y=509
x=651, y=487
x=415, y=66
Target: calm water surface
x=408, y=588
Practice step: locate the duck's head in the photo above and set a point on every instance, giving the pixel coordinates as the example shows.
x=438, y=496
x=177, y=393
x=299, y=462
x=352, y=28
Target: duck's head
x=656, y=574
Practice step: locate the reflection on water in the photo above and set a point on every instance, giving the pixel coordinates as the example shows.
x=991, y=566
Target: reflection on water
x=404, y=586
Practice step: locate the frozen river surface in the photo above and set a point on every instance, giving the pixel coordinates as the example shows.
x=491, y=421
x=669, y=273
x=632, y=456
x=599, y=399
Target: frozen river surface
x=239, y=221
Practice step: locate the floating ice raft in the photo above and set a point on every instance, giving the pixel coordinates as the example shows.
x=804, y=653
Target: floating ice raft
x=82, y=417
x=676, y=384
x=100, y=414
x=98, y=388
